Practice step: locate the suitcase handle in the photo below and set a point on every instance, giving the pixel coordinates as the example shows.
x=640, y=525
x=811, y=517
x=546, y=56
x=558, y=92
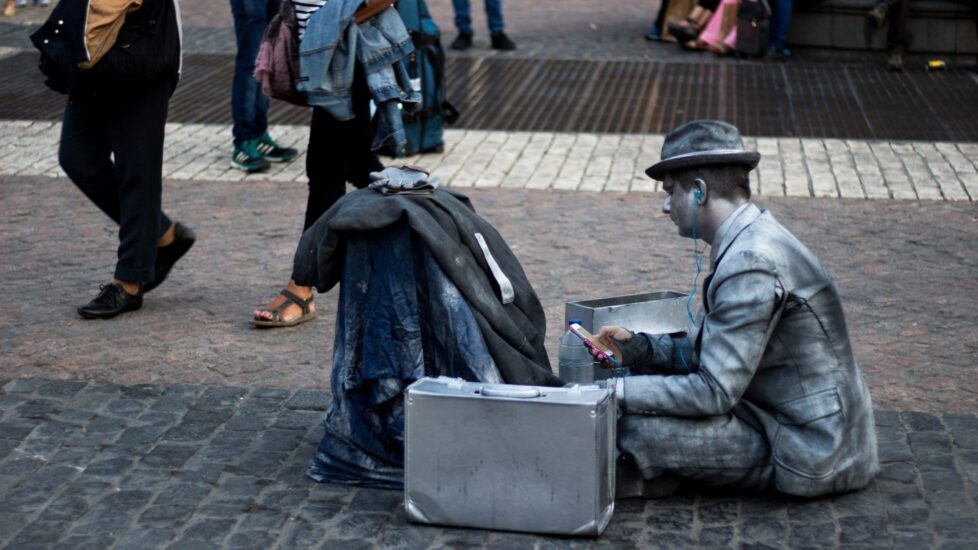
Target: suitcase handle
x=523, y=393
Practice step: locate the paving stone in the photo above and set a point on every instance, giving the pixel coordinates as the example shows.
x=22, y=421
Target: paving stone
x=813, y=535
x=345, y=544
x=316, y=514
x=913, y=541
x=168, y=456
x=725, y=511
x=16, y=431
x=141, y=539
x=30, y=385
x=271, y=393
x=261, y=463
x=220, y=399
x=363, y=525
x=45, y=533
x=39, y=409
x=304, y=535
x=61, y=389
x=140, y=436
x=99, y=542
x=957, y=529
x=315, y=400
x=377, y=500
x=211, y=530
x=126, y=407
x=185, y=493
x=166, y=515
x=252, y=539
x=66, y=508
x=262, y=520
x=142, y=391
x=225, y=507
x=190, y=430
x=920, y=421
x=208, y=473
x=908, y=519
x=863, y=530
x=670, y=519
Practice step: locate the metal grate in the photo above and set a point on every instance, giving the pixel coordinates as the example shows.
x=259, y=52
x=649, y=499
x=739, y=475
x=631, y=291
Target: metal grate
x=808, y=100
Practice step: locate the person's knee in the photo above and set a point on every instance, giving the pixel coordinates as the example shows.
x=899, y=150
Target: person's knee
x=77, y=165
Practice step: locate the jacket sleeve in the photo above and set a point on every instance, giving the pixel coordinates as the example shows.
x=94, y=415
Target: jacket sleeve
x=734, y=336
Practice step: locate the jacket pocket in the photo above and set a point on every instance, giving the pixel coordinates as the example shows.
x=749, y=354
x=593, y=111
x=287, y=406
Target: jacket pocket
x=809, y=439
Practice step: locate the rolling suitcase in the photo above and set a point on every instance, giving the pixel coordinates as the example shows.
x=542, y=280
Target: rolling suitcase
x=509, y=457
x=753, y=28
x=426, y=67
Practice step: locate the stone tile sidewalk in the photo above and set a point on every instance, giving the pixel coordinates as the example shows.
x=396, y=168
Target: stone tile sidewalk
x=567, y=161
x=100, y=465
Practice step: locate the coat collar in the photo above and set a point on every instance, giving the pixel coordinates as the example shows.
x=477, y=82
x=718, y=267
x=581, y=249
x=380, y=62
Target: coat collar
x=730, y=228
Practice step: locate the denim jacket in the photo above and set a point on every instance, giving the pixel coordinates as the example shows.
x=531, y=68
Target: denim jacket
x=331, y=46
x=773, y=349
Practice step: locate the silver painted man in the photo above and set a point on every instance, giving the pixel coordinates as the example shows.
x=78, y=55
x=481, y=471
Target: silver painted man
x=764, y=392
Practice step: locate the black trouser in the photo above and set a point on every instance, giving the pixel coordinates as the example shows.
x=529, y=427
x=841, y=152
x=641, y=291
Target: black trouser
x=129, y=126
x=339, y=152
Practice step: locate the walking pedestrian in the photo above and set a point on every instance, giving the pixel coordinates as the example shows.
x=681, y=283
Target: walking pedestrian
x=463, y=22
x=112, y=140
x=253, y=148
x=339, y=151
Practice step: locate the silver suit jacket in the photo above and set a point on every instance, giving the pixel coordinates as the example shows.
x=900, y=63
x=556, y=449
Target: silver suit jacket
x=773, y=349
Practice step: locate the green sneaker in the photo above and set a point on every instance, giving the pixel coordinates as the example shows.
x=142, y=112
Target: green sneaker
x=273, y=151
x=246, y=157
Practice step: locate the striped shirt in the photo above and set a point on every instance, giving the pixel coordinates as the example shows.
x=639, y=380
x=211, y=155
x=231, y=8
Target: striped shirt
x=304, y=10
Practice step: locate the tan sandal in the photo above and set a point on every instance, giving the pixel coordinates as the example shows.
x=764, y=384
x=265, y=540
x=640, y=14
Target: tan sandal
x=277, y=321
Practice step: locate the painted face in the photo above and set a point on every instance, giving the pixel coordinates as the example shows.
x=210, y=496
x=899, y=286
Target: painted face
x=679, y=205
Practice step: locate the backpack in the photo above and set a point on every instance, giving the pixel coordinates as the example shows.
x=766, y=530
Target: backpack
x=426, y=67
x=277, y=63
x=753, y=28
x=146, y=50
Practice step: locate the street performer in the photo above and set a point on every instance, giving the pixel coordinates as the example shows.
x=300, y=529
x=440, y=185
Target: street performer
x=763, y=393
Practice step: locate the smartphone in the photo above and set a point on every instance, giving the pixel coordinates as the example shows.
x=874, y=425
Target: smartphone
x=602, y=351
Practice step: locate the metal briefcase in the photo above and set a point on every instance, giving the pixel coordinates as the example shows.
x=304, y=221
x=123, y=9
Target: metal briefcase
x=508, y=457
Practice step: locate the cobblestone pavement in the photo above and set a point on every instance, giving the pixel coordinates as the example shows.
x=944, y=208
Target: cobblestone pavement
x=96, y=464
x=180, y=426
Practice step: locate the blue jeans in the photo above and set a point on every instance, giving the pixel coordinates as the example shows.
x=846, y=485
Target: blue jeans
x=249, y=107
x=463, y=16
x=780, y=23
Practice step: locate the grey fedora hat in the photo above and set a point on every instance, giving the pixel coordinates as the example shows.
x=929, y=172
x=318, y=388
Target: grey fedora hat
x=702, y=143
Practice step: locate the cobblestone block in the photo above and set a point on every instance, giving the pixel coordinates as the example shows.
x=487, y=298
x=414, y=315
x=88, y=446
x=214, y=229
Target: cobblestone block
x=190, y=430
x=60, y=389
x=168, y=456
x=166, y=515
x=142, y=539
x=209, y=530
x=376, y=500
x=112, y=467
x=258, y=540
x=312, y=400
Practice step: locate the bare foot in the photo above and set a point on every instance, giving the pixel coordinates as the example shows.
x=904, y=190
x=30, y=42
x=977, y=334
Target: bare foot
x=292, y=311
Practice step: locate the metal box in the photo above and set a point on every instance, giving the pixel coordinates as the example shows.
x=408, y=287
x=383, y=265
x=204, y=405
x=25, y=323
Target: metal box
x=508, y=457
x=652, y=312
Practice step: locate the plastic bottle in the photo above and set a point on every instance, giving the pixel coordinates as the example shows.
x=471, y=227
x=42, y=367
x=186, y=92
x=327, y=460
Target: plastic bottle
x=574, y=362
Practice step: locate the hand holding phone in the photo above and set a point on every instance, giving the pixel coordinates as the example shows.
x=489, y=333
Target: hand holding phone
x=600, y=351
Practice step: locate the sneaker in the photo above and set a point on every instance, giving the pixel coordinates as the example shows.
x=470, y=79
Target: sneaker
x=876, y=17
x=502, y=42
x=246, y=157
x=895, y=62
x=462, y=42
x=273, y=151
x=111, y=301
x=654, y=35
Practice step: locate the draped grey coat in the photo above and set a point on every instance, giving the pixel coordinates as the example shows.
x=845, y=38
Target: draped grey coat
x=774, y=399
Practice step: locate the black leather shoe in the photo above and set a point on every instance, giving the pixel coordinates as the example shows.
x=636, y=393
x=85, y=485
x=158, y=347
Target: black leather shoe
x=462, y=42
x=167, y=256
x=111, y=301
x=502, y=42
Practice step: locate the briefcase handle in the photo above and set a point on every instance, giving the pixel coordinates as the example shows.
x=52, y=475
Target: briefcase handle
x=517, y=393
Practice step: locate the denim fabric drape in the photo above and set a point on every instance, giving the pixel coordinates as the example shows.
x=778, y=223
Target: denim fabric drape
x=331, y=46
x=775, y=398
x=399, y=318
